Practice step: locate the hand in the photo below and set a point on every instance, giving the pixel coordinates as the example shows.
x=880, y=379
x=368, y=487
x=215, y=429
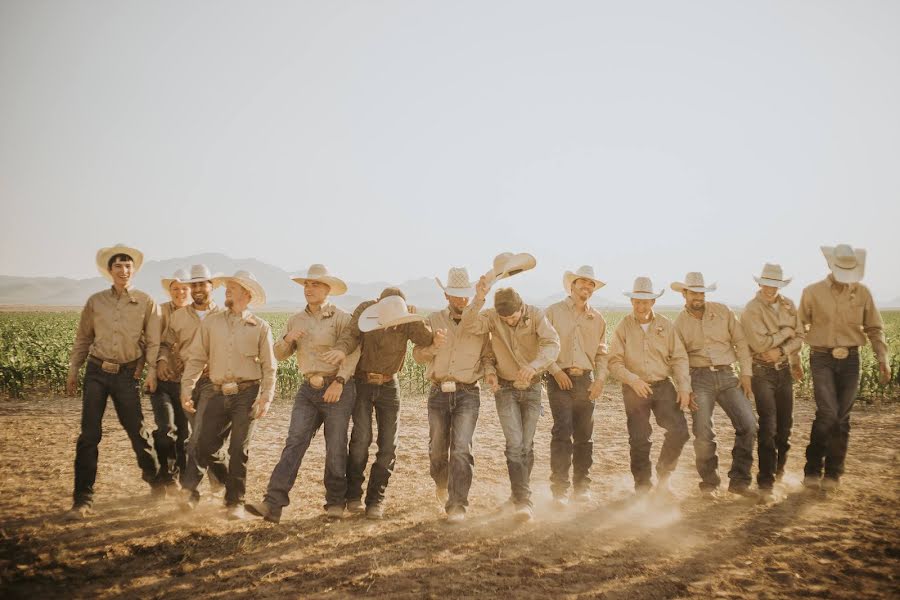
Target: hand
x=71, y=384
x=150, y=383
x=526, y=374
x=562, y=380
x=482, y=288
x=411, y=309
x=260, y=408
x=885, y=370
x=187, y=403
x=293, y=336
x=772, y=355
x=641, y=388
x=797, y=372
x=333, y=393
x=492, y=382
x=333, y=357
x=596, y=390
x=440, y=337
x=746, y=386
x=163, y=371
x=686, y=402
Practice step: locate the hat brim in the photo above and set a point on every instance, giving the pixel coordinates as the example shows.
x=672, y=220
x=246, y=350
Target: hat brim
x=841, y=275
x=680, y=287
x=211, y=278
x=167, y=283
x=335, y=285
x=104, y=254
x=778, y=283
x=370, y=322
x=466, y=292
x=644, y=295
x=515, y=265
x=257, y=293
x=569, y=278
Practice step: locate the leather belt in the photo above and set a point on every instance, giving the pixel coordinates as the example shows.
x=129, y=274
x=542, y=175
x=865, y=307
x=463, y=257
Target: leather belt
x=716, y=368
x=782, y=364
x=241, y=385
x=575, y=372
x=109, y=366
x=318, y=381
x=839, y=352
x=375, y=378
x=518, y=385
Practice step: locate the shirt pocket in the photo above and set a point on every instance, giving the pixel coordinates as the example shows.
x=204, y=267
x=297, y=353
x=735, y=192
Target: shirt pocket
x=248, y=342
x=133, y=321
x=856, y=314
x=323, y=334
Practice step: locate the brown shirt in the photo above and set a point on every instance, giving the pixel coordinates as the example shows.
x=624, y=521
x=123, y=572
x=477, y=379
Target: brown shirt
x=383, y=350
x=582, y=338
x=532, y=342
x=183, y=326
x=236, y=348
x=650, y=356
x=773, y=325
x=465, y=357
x=845, y=316
x=117, y=328
x=321, y=332
x=714, y=340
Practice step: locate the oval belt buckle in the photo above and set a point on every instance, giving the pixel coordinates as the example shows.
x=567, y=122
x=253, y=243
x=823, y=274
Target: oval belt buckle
x=317, y=381
x=840, y=353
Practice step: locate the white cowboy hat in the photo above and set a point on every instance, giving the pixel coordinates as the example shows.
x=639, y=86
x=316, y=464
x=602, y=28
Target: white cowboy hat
x=248, y=282
x=320, y=273
x=458, y=283
x=583, y=272
x=390, y=311
x=104, y=254
x=847, y=264
x=643, y=290
x=180, y=275
x=772, y=276
x=508, y=264
x=694, y=282
x=200, y=273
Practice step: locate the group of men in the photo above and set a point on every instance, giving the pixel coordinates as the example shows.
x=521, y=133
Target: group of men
x=211, y=375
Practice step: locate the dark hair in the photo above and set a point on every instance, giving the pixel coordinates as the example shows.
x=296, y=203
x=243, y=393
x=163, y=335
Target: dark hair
x=507, y=301
x=117, y=257
x=391, y=291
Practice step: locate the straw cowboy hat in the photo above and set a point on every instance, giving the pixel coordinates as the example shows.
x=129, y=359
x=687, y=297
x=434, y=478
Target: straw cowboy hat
x=104, y=254
x=772, y=276
x=320, y=273
x=583, y=272
x=508, y=264
x=390, y=311
x=643, y=290
x=458, y=283
x=200, y=273
x=180, y=275
x=247, y=281
x=693, y=282
x=847, y=264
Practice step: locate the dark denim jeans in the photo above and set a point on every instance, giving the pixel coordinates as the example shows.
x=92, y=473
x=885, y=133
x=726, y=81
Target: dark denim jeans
x=172, y=430
x=774, y=393
x=451, y=423
x=125, y=392
x=217, y=463
x=835, y=385
x=571, y=444
x=309, y=413
x=385, y=401
x=519, y=411
x=663, y=402
x=723, y=387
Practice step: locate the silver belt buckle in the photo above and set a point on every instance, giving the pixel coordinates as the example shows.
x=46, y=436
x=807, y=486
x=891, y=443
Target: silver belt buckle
x=109, y=367
x=448, y=386
x=230, y=388
x=317, y=382
x=840, y=353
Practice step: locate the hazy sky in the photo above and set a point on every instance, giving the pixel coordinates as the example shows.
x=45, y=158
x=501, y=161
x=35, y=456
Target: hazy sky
x=392, y=140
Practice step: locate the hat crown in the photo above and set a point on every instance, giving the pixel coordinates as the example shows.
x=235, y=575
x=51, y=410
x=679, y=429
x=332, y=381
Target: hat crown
x=694, y=279
x=844, y=256
x=180, y=275
x=458, y=277
x=316, y=270
x=585, y=271
x=391, y=307
x=199, y=272
x=500, y=261
x=642, y=285
x=772, y=271
x=241, y=274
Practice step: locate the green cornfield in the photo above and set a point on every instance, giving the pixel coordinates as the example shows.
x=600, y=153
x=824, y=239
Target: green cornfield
x=34, y=357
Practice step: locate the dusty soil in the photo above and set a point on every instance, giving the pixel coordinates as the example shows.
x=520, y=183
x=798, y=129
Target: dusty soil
x=840, y=545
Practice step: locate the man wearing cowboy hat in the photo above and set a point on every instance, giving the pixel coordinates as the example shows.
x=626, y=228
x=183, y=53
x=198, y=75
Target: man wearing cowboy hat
x=454, y=364
x=578, y=375
x=118, y=328
x=381, y=329
x=775, y=336
x=714, y=340
x=646, y=354
x=236, y=347
x=840, y=315
x=326, y=396
x=176, y=340
x=524, y=345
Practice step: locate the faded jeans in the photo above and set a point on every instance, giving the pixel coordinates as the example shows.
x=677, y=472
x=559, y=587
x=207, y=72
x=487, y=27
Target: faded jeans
x=571, y=444
x=451, y=423
x=519, y=411
x=835, y=385
x=384, y=400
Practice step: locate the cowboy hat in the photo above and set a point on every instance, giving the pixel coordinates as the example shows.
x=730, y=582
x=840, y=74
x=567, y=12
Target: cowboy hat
x=583, y=272
x=772, y=276
x=180, y=275
x=200, y=273
x=320, y=273
x=390, y=311
x=458, y=283
x=847, y=264
x=247, y=281
x=694, y=282
x=643, y=290
x=508, y=264
x=104, y=254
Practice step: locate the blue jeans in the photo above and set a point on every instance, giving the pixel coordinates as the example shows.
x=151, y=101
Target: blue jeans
x=309, y=413
x=451, y=423
x=723, y=387
x=774, y=393
x=572, y=444
x=385, y=401
x=835, y=385
x=519, y=411
x=172, y=430
x=217, y=463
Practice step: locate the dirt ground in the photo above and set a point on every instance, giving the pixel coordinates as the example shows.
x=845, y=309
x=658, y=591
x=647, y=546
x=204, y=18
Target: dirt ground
x=841, y=545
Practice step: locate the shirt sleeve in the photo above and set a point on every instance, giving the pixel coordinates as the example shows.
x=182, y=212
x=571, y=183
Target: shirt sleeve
x=488, y=360
x=349, y=339
x=473, y=320
x=616, y=357
x=152, y=331
x=268, y=363
x=793, y=345
x=601, y=358
x=348, y=366
x=740, y=344
x=197, y=358
x=681, y=371
x=84, y=337
x=874, y=328
x=282, y=349
x=805, y=310
x=419, y=333
x=548, y=343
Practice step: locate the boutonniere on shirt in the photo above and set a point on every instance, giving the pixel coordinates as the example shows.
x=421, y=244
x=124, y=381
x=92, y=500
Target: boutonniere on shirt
x=659, y=330
x=525, y=321
x=327, y=314
x=590, y=316
x=250, y=320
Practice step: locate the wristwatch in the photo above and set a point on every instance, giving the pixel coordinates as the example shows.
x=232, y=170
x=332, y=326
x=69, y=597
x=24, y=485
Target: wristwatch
x=340, y=380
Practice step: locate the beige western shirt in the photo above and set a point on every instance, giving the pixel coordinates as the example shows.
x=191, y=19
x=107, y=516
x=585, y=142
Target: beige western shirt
x=321, y=333
x=465, y=357
x=183, y=326
x=532, y=342
x=117, y=328
x=236, y=348
x=716, y=339
x=650, y=356
x=582, y=338
x=842, y=317
x=770, y=325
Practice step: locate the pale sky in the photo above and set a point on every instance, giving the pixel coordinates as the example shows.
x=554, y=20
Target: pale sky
x=391, y=140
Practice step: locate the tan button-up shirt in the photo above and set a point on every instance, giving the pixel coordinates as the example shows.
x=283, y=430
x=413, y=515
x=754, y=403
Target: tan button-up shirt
x=117, y=328
x=321, y=333
x=771, y=325
x=842, y=317
x=183, y=326
x=166, y=310
x=465, y=357
x=650, y=356
x=716, y=339
x=582, y=338
x=532, y=342
x=236, y=348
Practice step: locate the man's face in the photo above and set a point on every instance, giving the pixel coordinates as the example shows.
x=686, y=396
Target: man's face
x=513, y=319
x=694, y=300
x=315, y=292
x=236, y=295
x=769, y=292
x=122, y=271
x=200, y=291
x=457, y=304
x=178, y=292
x=582, y=289
x=642, y=308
